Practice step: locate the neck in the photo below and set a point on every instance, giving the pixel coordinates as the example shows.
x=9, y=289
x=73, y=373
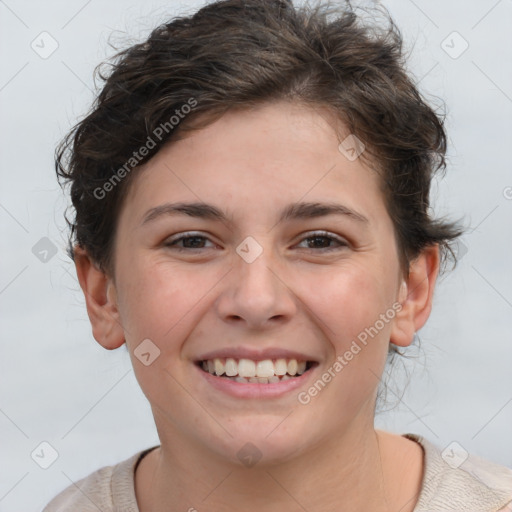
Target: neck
x=339, y=473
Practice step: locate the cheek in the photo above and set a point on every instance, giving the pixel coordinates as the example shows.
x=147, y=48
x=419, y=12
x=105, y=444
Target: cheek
x=352, y=300
x=158, y=303
x=159, y=310
x=358, y=339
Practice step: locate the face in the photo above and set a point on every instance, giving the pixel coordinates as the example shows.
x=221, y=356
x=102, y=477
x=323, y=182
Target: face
x=237, y=281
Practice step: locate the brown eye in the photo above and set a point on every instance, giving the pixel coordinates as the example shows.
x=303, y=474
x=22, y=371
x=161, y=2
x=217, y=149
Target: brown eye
x=190, y=242
x=320, y=240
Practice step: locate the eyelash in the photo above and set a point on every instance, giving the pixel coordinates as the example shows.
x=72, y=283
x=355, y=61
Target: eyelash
x=313, y=235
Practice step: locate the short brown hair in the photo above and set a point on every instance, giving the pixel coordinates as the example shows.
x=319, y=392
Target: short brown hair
x=235, y=54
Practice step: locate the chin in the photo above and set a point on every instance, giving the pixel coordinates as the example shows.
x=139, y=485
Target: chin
x=261, y=442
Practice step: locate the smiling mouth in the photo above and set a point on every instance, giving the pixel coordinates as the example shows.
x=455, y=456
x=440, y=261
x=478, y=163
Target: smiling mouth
x=268, y=371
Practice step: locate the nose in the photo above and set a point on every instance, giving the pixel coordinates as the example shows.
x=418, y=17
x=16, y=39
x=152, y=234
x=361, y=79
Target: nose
x=256, y=294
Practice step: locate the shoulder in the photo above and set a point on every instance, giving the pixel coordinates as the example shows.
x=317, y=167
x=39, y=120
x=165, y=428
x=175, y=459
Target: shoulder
x=91, y=493
x=107, y=489
x=455, y=480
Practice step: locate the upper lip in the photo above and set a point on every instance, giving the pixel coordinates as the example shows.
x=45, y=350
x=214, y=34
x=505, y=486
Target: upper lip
x=255, y=355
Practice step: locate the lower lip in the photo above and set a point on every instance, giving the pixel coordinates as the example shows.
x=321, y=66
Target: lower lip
x=255, y=389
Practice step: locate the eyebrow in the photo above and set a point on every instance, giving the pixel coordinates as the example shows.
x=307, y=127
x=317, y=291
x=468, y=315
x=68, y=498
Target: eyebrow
x=292, y=211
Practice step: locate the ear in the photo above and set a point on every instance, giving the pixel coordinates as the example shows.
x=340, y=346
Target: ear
x=101, y=299
x=415, y=296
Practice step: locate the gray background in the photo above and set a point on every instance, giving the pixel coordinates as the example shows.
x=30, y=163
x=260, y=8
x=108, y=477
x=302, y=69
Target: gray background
x=60, y=386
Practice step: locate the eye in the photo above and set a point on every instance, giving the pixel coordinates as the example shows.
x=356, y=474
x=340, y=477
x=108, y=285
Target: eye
x=327, y=237
x=192, y=241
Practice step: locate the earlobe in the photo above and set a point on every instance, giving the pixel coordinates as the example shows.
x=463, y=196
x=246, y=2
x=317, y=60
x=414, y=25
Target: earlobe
x=101, y=300
x=415, y=297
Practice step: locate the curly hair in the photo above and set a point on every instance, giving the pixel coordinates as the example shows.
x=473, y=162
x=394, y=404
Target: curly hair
x=237, y=54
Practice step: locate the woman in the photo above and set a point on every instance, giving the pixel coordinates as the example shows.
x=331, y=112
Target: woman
x=252, y=221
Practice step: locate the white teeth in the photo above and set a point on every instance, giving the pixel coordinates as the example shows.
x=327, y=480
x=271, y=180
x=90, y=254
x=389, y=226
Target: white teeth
x=219, y=367
x=231, y=367
x=281, y=367
x=292, y=366
x=266, y=371
x=246, y=368
x=265, y=368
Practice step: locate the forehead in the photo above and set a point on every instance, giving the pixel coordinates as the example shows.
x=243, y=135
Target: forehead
x=256, y=160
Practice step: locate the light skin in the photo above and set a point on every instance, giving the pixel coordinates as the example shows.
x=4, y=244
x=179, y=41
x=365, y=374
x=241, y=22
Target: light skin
x=295, y=295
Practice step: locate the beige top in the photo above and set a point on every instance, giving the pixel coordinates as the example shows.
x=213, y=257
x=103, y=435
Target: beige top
x=476, y=485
